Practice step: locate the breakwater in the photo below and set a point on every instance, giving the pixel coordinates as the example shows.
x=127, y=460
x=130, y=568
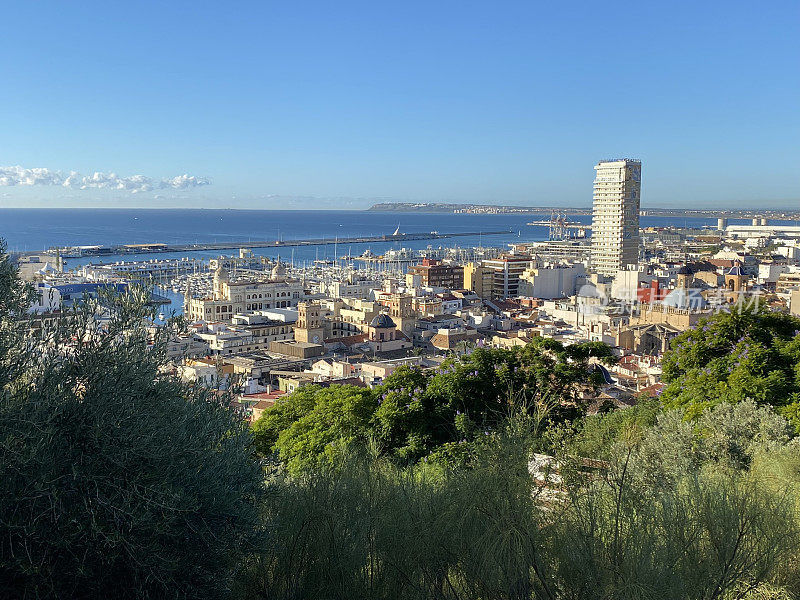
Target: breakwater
x=158, y=247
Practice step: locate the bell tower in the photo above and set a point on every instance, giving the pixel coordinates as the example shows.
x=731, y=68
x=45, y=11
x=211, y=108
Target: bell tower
x=735, y=281
x=402, y=312
x=683, y=279
x=221, y=278
x=400, y=305
x=309, y=323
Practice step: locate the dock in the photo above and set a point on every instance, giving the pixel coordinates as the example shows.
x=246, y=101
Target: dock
x=566, y=224
x=157, y=248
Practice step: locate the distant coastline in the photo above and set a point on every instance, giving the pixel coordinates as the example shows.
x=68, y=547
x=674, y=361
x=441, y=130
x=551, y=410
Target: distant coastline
x=710, y=213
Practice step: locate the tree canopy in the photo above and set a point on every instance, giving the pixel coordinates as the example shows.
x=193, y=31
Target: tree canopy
x=732, y=356
x=417, y=413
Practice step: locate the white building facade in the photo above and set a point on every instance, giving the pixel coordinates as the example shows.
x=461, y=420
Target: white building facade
x=615, y=215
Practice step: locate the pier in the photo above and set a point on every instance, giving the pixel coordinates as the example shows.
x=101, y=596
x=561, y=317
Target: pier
x=568, y=225
x=155, y=248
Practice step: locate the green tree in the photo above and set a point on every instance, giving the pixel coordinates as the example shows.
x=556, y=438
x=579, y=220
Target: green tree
x=417, y=413
x=748, y=353
x=714, y=536
x=316, y=424
x=116, y=479
x=474, y=395
x=685, y=510
x=724, y=438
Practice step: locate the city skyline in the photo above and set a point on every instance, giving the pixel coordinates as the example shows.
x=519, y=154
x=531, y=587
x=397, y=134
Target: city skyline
x=281, y=107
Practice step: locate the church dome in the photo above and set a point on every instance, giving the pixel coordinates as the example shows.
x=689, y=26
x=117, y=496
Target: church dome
x=685, y=270
x=736, y=270
x=382, y=321
x=221, y=274
x=278, y=271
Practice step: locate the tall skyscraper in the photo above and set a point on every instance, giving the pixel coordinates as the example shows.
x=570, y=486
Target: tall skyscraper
x=615, y=215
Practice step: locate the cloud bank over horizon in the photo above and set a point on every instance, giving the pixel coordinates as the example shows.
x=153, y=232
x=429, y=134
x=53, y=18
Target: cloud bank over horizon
x=42, y=176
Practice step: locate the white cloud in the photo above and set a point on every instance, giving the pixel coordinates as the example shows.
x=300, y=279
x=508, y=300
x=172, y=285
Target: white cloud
x=10, y=176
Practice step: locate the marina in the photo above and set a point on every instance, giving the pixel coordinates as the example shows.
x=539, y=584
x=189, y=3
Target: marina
x=158, y=247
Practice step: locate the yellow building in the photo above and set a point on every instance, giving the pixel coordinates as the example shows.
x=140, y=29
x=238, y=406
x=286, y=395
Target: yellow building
x=478, y=279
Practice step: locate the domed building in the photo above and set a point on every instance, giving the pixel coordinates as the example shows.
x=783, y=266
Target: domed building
x=221, y=277
x=684, y=277
x=241, y=296
x=383, y=335
x=382, y=328
x=279, y=270
x=382, y=321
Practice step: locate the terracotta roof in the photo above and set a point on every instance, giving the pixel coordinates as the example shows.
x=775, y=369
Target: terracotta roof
x=350, y=339
x=263, y=404
x=721, y=262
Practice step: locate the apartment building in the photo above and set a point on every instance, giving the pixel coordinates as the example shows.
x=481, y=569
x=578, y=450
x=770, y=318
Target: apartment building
x=503, y=275
x=615, y=215
x=433, y=273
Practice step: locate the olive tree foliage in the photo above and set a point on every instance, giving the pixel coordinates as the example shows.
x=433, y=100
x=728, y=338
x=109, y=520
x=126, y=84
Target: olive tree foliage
x=726, y=437
x=116, y=479
x=699, y=509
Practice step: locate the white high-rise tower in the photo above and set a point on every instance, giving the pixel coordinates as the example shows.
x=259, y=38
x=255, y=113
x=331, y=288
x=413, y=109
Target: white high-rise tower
x=615, y=215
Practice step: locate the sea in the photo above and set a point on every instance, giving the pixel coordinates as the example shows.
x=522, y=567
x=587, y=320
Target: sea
x=31, y=230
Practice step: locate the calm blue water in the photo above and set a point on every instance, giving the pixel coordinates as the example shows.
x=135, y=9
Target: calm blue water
x=38, y=229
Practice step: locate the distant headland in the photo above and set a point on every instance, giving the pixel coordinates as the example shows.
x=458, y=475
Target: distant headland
x=442, y=207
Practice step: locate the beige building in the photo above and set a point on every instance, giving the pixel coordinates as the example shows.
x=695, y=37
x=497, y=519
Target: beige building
x=615, y=215
x=226, y=339
x=549, y=282
x=794, y=303
x=330, y=321
x=658, y=314
x=240, y=296
x=374, y=372
x=353, y=287
x=788, y=282
x=478, y=279
x=647, y=339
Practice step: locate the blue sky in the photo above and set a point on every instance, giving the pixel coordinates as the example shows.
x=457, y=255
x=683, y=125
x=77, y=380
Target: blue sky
x=335, y=104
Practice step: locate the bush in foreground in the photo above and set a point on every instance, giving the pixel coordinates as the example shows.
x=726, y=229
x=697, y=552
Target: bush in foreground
x=366, y=528
x=116, y=480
